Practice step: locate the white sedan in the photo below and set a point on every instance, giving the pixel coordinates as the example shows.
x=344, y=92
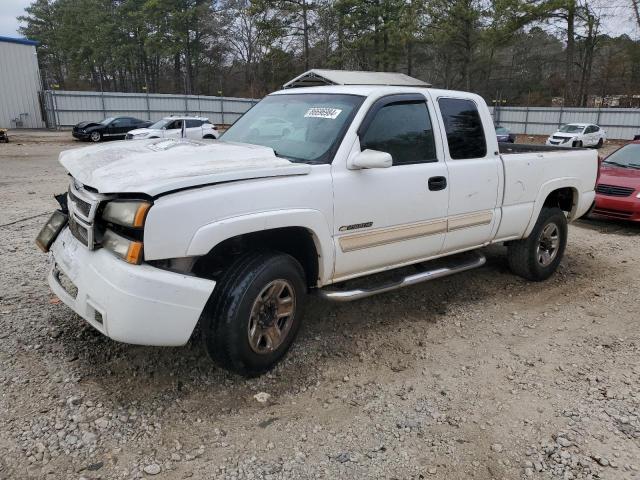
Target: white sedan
x=172, y=127
x=578, y=135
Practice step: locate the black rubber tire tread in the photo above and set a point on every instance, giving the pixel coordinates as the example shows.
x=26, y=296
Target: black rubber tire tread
x=220, y=315
x=521, y=254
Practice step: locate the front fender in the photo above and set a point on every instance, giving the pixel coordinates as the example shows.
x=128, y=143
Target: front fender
x=210, y=235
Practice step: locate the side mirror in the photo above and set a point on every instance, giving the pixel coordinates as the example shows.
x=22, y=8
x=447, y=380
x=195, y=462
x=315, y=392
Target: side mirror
x=370, y=159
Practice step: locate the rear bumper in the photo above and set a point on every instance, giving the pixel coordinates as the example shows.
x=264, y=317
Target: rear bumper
x=137, y=304
x=622, y=208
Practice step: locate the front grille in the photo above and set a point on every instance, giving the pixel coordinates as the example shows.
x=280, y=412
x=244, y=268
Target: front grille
x=557, y=137
x=608, y=212
x=613, y=191
x=79, y=231
x=81, y=205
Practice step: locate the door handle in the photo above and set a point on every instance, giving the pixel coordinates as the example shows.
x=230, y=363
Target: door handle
x=437, y=183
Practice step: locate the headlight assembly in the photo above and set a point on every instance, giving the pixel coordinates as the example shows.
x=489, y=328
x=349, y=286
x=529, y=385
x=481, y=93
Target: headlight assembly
x=126, y=213
x=128, y=250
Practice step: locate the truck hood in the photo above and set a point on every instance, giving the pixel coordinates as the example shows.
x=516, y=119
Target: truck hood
x=158, y=166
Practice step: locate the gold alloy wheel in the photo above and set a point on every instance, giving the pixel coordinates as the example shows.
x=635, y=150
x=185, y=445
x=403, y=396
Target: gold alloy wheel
x=271, y=316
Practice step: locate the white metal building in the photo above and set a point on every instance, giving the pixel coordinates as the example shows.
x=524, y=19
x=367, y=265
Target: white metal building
x=19, y=84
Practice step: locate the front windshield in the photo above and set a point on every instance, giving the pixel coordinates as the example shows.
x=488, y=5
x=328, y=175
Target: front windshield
x=571, y=128
x=107, y=121
x=159, y=124
x=627, y=156
x=502, y=131
x=302, y=127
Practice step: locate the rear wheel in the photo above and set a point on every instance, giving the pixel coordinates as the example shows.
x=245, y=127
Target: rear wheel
x=254, y=313
x=600, y=143
x=537, y=257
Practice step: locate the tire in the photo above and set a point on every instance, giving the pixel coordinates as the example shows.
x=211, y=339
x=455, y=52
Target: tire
x=95, y=137
x=209, y=137
x=577, y=144
x=524, y=257
x=240, y=323
x=600, y=143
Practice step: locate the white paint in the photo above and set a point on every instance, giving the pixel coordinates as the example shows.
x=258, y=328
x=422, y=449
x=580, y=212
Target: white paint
x=158, y=166
x=319, y=198
x=138, y=303
x=589, y=136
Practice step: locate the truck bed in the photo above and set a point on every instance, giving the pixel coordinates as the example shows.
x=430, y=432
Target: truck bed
x=510, y=148
x=531, y=172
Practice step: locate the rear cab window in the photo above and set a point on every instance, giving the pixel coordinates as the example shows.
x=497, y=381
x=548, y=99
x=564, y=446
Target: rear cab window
x=463, y=126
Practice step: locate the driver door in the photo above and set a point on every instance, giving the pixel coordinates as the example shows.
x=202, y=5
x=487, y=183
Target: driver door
x=391, y=216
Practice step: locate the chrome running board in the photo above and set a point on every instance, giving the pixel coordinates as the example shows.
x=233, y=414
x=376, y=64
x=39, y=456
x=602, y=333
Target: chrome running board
x=455, y=266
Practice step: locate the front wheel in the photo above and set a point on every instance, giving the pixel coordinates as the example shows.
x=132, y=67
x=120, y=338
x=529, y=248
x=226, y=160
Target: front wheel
x=537, y=257
x=95, y=137
x=254, y=313
x=577, y=144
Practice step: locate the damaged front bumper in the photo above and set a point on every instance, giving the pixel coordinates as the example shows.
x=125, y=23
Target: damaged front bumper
x=137, y=304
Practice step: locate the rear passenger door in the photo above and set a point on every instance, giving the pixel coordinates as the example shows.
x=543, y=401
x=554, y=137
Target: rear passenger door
x=475, y=173
x=194, y=128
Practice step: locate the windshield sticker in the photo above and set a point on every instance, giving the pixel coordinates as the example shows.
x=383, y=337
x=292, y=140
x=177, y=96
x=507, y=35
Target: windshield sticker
x=323, y=112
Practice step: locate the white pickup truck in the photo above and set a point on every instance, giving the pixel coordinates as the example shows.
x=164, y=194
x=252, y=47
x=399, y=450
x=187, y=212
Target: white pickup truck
x=162, y=234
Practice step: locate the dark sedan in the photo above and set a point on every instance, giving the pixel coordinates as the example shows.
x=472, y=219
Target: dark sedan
x=112, y=127
x=504, y=135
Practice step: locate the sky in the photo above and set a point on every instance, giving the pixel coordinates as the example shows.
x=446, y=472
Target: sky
x=620, y=20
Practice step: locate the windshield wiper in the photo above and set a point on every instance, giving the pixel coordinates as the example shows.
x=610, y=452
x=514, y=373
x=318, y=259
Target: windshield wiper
x=623, y=165
x=634, y=165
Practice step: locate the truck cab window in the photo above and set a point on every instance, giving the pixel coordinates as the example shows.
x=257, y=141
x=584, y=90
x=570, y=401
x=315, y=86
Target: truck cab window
x=465, y=135
x=404, y=130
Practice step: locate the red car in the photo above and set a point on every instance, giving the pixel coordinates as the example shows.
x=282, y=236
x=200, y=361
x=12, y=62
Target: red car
x=618, y=188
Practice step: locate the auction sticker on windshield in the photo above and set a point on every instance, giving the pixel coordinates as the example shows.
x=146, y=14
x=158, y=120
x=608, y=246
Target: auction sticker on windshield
x=323, y=112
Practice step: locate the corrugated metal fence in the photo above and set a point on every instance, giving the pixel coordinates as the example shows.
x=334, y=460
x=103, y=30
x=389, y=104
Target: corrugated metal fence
x=619, y=123
x=66, y=108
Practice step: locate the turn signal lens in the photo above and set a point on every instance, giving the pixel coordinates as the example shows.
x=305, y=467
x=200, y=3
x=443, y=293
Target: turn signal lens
x=128, y=250
x=126, y=213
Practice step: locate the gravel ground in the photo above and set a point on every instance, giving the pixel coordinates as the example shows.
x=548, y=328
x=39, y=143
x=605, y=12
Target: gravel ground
x=482, y=375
